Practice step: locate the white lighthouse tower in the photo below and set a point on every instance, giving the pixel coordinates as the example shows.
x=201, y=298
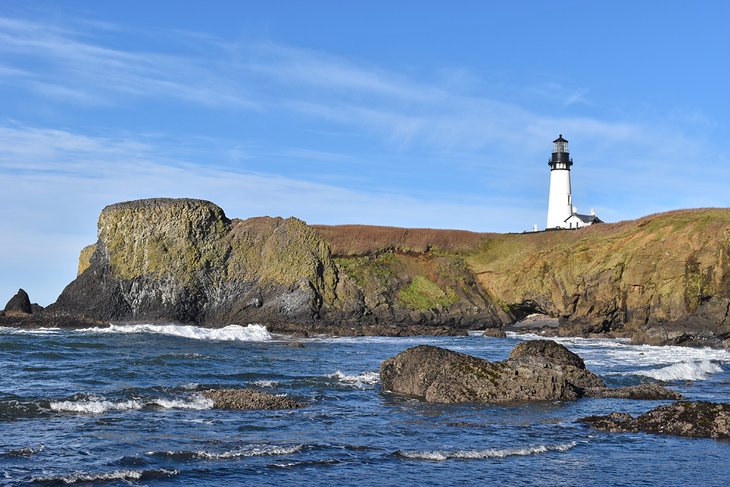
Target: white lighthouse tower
x=560, y=203
x=561, y=212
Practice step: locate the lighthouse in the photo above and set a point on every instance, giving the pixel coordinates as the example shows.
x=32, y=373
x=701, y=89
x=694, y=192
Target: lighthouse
x=561, y=212
x=560, y=202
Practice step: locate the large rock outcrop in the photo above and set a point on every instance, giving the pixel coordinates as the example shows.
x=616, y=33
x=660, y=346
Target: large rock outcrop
x=184, y=260
x=536, y=370
x=694, y=419
x=19, y=305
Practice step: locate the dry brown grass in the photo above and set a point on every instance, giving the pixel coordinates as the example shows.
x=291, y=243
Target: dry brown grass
x=355, y=240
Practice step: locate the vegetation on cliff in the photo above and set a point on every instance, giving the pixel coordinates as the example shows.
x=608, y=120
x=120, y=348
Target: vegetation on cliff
x=662, y=278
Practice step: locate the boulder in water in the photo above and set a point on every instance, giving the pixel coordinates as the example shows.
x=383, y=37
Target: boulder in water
x=535, y=372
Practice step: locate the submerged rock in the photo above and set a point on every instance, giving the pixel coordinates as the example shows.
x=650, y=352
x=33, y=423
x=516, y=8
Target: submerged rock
x=650, y=392
x=19, y=304
x=698, y=419
x=536, y=370
x=249, y=399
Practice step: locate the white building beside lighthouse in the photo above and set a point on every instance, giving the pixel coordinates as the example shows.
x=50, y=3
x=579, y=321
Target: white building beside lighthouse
x=561, y=212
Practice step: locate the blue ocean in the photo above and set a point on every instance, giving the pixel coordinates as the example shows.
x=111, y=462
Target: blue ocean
x=121, y=406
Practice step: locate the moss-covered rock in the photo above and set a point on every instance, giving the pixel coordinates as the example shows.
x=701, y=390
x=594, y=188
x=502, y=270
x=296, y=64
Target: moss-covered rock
x=184, y=260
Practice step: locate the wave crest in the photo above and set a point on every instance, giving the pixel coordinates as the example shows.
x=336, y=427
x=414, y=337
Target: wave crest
x=441, y=455
x=251, y=451
x=366, y=380
x=122, y=475
x=99, y=406
x=248, y=333
x=693, y=370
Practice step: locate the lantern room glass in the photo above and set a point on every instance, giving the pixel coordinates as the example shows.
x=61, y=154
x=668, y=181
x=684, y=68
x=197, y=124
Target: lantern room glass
x=560, y=146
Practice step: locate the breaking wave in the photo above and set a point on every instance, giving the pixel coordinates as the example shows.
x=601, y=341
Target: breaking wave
x=441, y=455
x=250, y=451
x=366, y=380
x=98, y=406
x=24, y=452
x=249, y=333
x=697, y=370
x=117, y=475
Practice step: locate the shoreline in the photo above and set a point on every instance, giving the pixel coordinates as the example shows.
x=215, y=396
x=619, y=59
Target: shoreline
x=543, y=327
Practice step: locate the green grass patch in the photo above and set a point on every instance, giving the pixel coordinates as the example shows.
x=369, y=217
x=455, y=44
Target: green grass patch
x=422, y=293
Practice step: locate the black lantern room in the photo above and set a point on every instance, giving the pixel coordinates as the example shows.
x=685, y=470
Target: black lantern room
x=561, y=157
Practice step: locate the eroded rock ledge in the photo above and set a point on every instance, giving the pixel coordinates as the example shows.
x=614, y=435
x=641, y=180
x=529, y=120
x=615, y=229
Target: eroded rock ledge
x=537, y=370
x=693, y=419
x=249, y=399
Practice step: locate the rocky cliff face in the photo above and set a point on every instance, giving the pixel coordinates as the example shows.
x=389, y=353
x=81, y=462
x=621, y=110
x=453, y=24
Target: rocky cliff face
x=661, y=279
x=184, y=260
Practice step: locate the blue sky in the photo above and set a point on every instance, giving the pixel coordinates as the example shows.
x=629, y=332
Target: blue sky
x=409, y=113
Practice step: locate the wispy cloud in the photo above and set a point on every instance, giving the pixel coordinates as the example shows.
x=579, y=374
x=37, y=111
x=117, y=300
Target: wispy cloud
x=66, y=61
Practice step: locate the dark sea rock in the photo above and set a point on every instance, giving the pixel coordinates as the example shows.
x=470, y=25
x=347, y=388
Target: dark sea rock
x=534, y=372
x=249, y=399
x=19, y=304
x=693, y=419
x=494, y=333
x=648, y=392
x=547, y=354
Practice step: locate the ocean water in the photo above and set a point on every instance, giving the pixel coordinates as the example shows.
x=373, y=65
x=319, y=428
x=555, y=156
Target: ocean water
x=120, y=406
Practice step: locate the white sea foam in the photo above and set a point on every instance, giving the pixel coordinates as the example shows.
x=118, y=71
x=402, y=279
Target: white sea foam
x=99, y=406
x=197, y=402
x=256, y=451
x=24, y=452
x=441, y=455
x=123, y=475
x=95, y=406
x=265, y=383
x=29, y=331
x=362, y=381
x=249, y=333
x=698, y=370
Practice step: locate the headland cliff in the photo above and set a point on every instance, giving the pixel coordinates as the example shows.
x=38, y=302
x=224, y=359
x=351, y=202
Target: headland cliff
x=664, y=278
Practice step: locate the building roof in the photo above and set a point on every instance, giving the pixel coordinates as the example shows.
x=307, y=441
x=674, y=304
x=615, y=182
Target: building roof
x=585, y=218
x=560, y=139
